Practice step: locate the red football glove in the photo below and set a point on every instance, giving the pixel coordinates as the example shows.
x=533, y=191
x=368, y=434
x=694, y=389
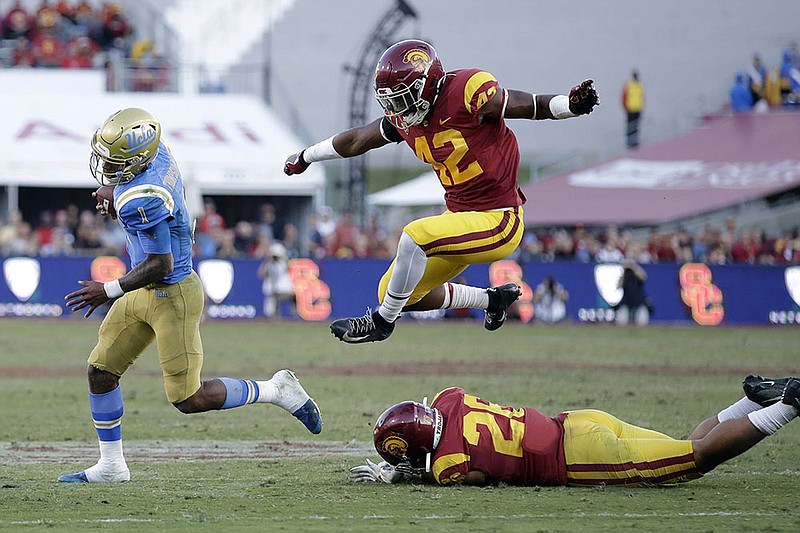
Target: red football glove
x=295, y=164
x=583, y=98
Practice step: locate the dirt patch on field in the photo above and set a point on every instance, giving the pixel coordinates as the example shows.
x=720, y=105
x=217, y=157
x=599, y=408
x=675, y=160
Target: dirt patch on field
x=448, y=368
x=16, y=453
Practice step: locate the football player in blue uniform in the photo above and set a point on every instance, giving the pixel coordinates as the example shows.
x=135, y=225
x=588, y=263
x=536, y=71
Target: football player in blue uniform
x=161, y=298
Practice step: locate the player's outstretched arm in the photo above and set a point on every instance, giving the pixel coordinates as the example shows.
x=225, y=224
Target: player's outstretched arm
x=582, y=100
x=350, y=143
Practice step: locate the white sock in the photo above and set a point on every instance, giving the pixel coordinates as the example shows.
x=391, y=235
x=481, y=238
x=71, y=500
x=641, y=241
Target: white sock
x=392, y=305
x=741, y=408
x=111, y=466
x=111, y=451
x=770, y=419
x=458, y=296
x=409, y=267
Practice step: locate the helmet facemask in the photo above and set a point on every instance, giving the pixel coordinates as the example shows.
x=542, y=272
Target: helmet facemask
x=404, y=104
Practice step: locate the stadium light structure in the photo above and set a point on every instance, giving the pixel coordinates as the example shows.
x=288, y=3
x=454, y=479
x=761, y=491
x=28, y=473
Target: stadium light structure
x=381, y=37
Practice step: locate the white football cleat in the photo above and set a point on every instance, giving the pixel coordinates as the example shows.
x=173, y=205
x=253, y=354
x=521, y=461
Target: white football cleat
x=99, y=473
x=293, y=397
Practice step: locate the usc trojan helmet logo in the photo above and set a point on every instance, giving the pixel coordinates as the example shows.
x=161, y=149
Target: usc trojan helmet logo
x=395, y=446
x=418, y=58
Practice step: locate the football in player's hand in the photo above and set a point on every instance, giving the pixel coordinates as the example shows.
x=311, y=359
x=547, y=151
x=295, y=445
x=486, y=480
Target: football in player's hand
x=105, y=201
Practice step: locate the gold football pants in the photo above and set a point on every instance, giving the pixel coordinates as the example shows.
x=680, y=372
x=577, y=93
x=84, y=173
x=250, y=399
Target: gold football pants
x=453, y=241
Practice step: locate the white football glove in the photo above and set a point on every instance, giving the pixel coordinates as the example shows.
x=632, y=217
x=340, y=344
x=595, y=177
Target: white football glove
x=382, y=472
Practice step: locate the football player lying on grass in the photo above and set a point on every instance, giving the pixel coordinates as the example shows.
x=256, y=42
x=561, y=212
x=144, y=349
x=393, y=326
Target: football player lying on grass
x=462, y=439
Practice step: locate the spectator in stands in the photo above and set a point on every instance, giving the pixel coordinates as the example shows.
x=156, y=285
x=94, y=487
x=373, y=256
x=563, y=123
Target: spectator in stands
x=787, y=247
x=756, y=79
x=790, y=76
x=47, y=18
x=326, y=222
x=225, y=239
x=23, y=55
x=18, y=23
x=10, y=230
x=47, y=49
x=314, y=242
x=150, y=72
x=744, y=249
x=609, y=253
x=79, y=53
x=290, y=242
x=211, y=219
x=89, y=18
x=44, y=230
x=700, y=245
x=682, y=245
x=633, y=104
x=564, y=249
x=343, y=243
x=24, y=242
x=550, y=301
x=65, y=10
x=267, y=220
x=114, y=25
x=88, y=239
x=717, y=255
x=741, y=95
x=244, y=239
x=59, y=246
x=634, y=307
x=277, y=285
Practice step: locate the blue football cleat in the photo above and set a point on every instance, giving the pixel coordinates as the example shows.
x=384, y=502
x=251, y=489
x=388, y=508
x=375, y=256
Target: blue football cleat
x=309, y=416
x=79, y=477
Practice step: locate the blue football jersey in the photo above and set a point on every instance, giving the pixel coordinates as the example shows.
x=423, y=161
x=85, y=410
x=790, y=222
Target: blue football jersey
x=152, y=197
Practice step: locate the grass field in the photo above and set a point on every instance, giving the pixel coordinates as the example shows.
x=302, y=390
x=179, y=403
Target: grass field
x=257, y=469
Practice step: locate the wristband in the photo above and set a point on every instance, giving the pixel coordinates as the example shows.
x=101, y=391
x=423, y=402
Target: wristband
x=322, y=151
x=113, y=289
x=559, y=107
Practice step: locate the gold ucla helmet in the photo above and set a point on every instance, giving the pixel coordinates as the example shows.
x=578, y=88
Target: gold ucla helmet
x=124, y=145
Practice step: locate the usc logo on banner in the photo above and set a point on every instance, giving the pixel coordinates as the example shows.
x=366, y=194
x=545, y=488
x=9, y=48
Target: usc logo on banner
x=311, y=293
x=703, y=298
x=501, y=272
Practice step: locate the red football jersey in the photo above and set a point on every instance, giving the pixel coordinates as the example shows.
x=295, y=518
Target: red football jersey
x=516, y=446
x=476, y=163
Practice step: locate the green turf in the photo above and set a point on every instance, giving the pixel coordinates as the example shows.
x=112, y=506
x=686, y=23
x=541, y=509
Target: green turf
x=666, y=378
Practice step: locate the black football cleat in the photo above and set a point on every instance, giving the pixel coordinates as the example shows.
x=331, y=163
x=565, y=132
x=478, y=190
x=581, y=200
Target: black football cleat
x=368, y=328
x=500, y=299
x=764, y=391
x=791, y=394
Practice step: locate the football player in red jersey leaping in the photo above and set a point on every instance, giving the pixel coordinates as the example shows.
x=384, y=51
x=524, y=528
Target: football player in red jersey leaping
x=455, y=122
x=463, y=440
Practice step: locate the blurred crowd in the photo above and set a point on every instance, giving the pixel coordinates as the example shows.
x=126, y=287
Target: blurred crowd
x=327, y=234
x=84, y=35
x=760, y=87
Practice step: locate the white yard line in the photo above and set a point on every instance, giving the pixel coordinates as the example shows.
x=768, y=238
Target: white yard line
x=140, y=451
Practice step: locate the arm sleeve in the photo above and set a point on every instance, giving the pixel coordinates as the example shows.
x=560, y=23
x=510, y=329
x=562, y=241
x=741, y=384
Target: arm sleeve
x=156, y=239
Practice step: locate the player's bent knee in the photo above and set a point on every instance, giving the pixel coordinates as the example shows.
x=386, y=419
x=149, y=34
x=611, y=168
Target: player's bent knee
x=101, y=381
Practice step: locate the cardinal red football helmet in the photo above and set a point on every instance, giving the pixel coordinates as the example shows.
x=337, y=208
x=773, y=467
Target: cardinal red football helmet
x=408, y=431
x=407, y=81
